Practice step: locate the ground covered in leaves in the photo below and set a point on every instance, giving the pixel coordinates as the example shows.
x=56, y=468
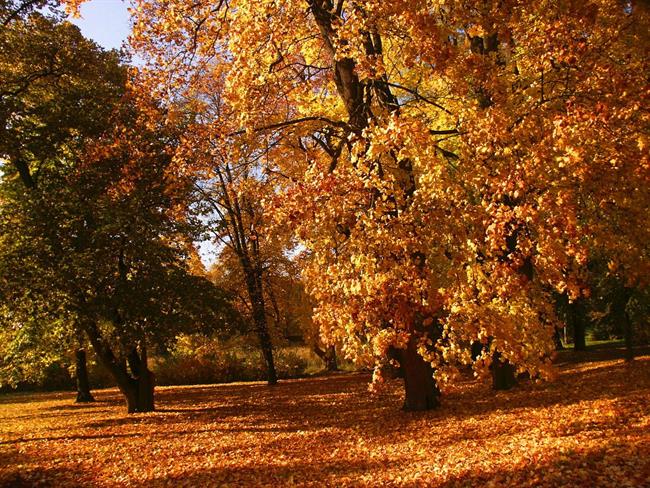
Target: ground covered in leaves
x=591, y=427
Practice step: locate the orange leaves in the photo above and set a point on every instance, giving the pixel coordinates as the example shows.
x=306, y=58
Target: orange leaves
x=587, y=429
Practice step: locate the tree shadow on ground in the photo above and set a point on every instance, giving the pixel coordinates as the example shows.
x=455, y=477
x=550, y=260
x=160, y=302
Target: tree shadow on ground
x=597, y=354
x=338, y=409
x=67, y=438
x=313, y=404
x=570, y=468
x=17, y=471
x=332, y=473
x=621, y=465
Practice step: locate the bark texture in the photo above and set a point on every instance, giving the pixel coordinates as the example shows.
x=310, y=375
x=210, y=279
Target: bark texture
x=503, y=373
x=137, y=385
x=83, y=383
x=421, y=390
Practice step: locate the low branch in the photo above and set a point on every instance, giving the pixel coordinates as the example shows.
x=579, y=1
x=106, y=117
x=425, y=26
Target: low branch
x=287, y=123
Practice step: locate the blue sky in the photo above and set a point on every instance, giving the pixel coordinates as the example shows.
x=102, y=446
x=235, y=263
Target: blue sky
x=104, y=21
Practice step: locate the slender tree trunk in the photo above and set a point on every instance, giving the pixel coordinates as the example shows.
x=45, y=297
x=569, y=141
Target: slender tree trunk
x=557, y=339
x=259, y=318
x=620, y=312
x=254, y=286
x=576, y=317
x=83, y=384
x=267, y=351
x=629, y=335
x=421, y=390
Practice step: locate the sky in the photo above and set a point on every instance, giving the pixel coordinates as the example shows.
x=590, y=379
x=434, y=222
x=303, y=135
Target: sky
x=104, y=21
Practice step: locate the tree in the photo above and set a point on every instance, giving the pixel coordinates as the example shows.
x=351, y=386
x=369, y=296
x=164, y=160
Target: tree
x=228, y=187
x=11, y=10
x=92, y=223
x=51, y=92
x=445, y=167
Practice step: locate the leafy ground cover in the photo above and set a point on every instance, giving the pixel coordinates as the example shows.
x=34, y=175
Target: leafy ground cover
x=591, y=427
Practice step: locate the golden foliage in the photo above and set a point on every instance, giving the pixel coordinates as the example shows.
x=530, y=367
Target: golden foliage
x=430, y=151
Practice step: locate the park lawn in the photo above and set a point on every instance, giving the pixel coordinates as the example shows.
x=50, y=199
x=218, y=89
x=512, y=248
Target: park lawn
x=591, y=427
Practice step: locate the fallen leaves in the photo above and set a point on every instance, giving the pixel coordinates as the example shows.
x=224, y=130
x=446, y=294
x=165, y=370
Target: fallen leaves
x=589, y=428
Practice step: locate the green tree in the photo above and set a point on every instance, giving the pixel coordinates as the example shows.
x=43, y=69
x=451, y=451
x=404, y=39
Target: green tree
x=91, y=221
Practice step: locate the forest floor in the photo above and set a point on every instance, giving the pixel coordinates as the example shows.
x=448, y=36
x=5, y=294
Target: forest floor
x=590, y=427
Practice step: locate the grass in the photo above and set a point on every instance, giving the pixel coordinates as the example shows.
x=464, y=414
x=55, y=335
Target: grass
x=591, y=427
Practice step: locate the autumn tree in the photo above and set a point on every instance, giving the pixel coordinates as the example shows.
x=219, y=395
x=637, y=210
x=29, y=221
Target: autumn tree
x=40, y=116
x=447, y=164
x=91, y=221
x=229, y=191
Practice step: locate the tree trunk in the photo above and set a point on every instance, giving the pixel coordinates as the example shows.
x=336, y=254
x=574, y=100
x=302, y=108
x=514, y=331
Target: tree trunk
x=503, y=373
x=620, y=309
x=576, y=315
x=267, y=351
x=254, y=285
x=141, y=392
x=328, y=356
x=476, y=349
x=421, y=390
x=83, y=384
x=557, y=339
x=629, y=334
x=330, y=359
x=138, y=391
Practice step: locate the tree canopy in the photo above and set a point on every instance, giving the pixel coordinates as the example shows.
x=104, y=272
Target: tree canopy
x=446, y=163
x=93, y=231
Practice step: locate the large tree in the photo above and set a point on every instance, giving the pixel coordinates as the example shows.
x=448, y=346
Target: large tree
x=447, y=163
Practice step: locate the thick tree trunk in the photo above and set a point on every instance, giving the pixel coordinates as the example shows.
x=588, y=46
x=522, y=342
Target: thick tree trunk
x=579, y=336
x=421, y=390
x=503, y=373
x=140, y=397
x=83, y=384
x=138, y=391
x=476, y=349
x=330, y=359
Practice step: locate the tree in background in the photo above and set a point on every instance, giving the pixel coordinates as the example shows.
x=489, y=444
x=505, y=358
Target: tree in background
x=11, y=10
